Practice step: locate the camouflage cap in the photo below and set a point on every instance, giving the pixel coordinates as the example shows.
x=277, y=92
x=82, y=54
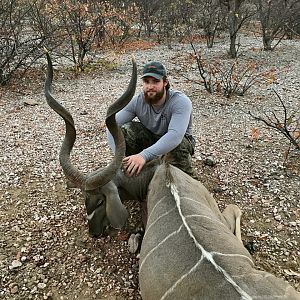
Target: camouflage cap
x=154, y=69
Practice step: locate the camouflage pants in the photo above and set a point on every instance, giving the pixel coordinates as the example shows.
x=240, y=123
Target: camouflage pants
x=138, y=138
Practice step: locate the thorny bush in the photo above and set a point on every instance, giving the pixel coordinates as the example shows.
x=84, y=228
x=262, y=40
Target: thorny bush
x=280, y=119
x=228, y=79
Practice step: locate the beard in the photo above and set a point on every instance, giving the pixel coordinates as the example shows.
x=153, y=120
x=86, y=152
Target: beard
x=154, y=97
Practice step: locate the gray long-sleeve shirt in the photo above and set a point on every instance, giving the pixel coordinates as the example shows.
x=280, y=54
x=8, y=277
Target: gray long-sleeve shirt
x=170, y=121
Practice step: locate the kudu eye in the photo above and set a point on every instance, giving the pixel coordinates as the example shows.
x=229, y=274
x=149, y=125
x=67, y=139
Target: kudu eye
x=100, y=203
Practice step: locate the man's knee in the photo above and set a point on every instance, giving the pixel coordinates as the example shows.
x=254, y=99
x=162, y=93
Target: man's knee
x=184, y=150
x=181, y=156
x=137, y=137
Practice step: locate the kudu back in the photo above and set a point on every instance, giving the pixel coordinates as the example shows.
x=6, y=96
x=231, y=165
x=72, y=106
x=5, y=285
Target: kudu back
x=191, y=250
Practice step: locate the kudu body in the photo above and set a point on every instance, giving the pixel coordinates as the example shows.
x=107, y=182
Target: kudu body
x=189, y=250
x=103, y=187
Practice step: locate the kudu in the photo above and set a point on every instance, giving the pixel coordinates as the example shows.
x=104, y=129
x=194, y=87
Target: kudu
x=103, y=187
x=189, y=250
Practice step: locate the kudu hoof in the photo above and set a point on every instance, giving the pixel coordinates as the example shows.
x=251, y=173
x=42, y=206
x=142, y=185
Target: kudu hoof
x=134, y=242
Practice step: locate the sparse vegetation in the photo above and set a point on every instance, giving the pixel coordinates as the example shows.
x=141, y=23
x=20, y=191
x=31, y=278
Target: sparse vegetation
x=74, y=29
x=45, y=249
x=281, y=120
x=235, y=78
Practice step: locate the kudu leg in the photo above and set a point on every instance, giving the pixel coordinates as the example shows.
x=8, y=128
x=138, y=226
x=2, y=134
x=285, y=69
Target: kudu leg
x=232, y=214
x=135, y=239
x=144, y=212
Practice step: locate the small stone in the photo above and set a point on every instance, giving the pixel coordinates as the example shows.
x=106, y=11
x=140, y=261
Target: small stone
x=218, y=189
x=209, y=161
x=13, y=288
x=277, y=218
x=30, y=102
x=82, y=258
x=15, y=264
x=59, y=254
x=34, y=290
x=41, y=285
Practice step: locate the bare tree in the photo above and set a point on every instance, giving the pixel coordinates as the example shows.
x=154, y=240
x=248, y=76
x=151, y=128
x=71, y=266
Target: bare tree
x=80, y=22
x=294, y=24
x=120, y=19
x=235, y=78
x=277, y=19
x=239, y=11
x=167, y=19
x=286, y=123
x=175, y=20
x=148, y=14
x=19, y=45
x=43, y=23
x=211, y=18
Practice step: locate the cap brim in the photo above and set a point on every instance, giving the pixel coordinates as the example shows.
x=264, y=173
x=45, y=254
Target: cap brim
x=157, y=76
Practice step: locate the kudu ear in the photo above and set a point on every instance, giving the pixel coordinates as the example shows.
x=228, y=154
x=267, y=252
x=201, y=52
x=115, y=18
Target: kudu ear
x=115, y=210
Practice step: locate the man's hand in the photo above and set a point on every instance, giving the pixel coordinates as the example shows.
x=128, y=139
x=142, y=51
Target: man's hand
x=133, y=164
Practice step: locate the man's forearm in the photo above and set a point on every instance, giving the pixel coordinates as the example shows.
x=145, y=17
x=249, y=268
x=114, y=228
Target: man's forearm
x=165, y=144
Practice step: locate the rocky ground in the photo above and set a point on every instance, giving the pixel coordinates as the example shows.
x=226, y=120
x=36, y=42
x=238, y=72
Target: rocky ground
x=45, y=250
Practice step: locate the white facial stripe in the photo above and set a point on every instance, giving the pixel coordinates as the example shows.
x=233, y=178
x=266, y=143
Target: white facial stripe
x=90, y=216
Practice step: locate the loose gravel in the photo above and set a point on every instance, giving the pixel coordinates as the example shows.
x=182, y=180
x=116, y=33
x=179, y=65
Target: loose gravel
x=45, y=250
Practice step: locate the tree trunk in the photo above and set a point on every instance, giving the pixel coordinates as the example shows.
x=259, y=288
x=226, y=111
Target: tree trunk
x=210, y=41
x=232, y=19
x=232, y=49
x=233, y=24
x=267, y=41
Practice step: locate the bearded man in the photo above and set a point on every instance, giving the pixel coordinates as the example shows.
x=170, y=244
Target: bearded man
x=164, y=123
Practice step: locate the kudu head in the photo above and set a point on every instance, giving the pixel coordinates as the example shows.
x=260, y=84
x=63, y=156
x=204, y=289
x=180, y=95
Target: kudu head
x=102, y=201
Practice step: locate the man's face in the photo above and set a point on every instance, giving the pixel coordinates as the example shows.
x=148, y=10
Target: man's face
x=154, y=89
